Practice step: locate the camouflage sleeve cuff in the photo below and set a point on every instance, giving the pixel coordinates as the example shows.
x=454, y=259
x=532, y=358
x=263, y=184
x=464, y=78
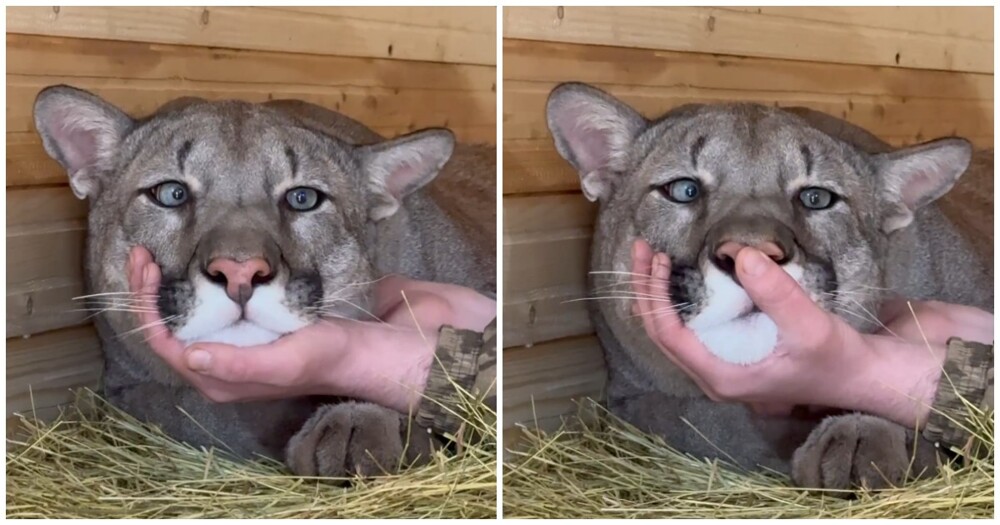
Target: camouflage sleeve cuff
x=462, y=362
x=968, y=374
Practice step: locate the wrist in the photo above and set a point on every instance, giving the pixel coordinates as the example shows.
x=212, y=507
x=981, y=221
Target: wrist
x=388, y=366
x=899, y=381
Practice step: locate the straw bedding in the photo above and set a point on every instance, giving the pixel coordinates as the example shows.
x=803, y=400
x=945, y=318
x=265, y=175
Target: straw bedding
x=95, y=461
x=607, y=468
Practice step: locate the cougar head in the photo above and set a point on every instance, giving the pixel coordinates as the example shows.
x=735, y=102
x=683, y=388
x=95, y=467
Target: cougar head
x=260, y=224
x=703, y=181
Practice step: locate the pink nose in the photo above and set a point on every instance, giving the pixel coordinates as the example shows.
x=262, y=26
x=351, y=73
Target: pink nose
x=729, y=249
x=239, y=277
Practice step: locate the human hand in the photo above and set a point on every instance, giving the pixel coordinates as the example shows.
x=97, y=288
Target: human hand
x=382, y=362
x=819, y=360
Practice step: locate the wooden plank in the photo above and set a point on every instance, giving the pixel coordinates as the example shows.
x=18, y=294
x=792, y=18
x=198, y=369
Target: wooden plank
x=28, y=164
x=77, y=57
x=534, y=166
x=42, y=370
x=920, y=118
x=546, y=253
x=46, y=229
x=962, y=22
x=902, y=106
x=468, y=19
x=722, y=31
x=336, y=31
x=553, y=61
x=377, y=107
x=544, y=383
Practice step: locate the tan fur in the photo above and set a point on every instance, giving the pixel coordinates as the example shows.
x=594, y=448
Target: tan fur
x=238, y=160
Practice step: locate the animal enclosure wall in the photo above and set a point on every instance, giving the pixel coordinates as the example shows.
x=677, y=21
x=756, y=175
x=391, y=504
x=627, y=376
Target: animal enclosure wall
x=394, y=69
x=905, y=74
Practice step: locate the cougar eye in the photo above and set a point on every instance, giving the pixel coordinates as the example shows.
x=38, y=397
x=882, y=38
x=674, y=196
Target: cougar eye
x=303, y=199
x=681, y=191
x=817, y=198
x=170, y=194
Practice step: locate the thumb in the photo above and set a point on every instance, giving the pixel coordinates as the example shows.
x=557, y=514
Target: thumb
x=776, y=293
x=264, y=364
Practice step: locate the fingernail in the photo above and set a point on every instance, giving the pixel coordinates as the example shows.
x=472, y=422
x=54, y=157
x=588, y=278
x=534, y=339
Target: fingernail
x=754, y=263
x=661, y=266
x=199, y=360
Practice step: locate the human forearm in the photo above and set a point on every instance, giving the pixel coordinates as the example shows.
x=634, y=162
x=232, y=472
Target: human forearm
x=899, y=380
x=388, y=366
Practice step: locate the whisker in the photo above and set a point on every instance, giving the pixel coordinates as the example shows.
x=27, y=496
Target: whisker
x=105, y=294
x=631, y=293
x=613, y=272
x=373, y=316
x=874, y=317
x=654, y=299
x=118, y=301
x=162, y=321
x=360, y=283
x=623, y=283
x=660, y=312
x=114, y=309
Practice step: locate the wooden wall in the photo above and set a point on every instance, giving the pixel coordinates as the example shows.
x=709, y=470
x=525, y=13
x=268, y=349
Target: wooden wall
x=906, y=74
x=394, y=69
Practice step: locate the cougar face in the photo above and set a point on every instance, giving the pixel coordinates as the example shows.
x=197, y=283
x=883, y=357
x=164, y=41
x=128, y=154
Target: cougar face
x=703, y=182
x=259, y=224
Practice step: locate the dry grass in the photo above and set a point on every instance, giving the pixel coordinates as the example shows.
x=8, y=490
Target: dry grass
x=610, y=469
x=95, y=461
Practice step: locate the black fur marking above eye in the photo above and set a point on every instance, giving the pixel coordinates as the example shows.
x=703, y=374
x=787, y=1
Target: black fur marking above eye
x=182, y=154
x=293, y=160
x=696, y=150
x=807, y=157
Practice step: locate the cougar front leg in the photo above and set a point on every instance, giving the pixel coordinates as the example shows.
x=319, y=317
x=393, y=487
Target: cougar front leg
x=361, y=439
x=856, y=450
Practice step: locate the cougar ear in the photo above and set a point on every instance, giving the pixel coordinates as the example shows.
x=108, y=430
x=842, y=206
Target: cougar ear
x=593, y=131
x=398, y=167
x=919, y=175
x=81, y=132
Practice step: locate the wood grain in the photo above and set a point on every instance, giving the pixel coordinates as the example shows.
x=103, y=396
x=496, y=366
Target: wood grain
x=401, y=34
x=903, y=106
x=392, y=96
x=42, y=371
x=543, y=384
x=974, y=23
x=741, y=33
x=46, y=228
x=546, y=241
x=918, y=118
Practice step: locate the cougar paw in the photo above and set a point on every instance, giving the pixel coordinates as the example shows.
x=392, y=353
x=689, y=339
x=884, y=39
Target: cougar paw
x=348, y=439
x=859, y=451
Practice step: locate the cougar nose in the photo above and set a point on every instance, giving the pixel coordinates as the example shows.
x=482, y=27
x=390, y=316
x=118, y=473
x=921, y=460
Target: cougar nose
x=725, y=252
x=239, y=277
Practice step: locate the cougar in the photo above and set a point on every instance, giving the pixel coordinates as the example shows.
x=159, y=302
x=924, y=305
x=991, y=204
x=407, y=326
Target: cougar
x=264, y=217
x=850, y=218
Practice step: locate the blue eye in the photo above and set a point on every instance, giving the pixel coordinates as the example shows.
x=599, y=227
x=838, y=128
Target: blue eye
x=303, y=199
x=817, y=198
x=170, y=194
x=682, y=191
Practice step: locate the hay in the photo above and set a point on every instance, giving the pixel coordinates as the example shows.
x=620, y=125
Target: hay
x=95, y=461
x=607, y=468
